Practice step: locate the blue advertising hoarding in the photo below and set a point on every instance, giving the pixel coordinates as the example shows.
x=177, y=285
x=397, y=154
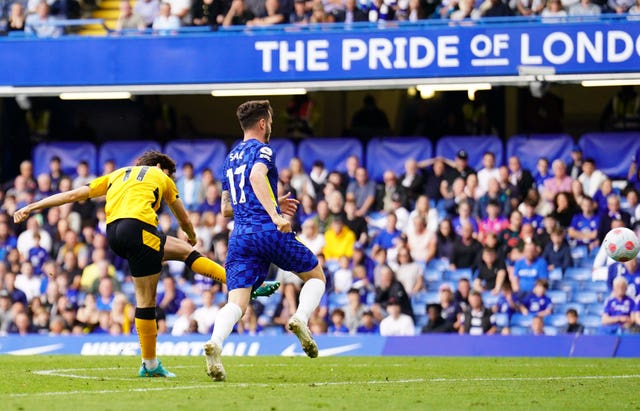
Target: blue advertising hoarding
x=364, y=345
x=289, y=54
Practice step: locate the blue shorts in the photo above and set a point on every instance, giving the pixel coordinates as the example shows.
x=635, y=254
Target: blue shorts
x=250, y=255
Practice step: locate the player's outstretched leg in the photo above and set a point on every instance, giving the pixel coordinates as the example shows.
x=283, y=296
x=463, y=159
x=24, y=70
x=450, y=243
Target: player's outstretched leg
x=266, y=289
x=301, y=330
x=310, y=296
x=213, y=354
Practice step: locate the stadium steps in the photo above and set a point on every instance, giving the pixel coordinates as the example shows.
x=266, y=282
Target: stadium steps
x=109, y=10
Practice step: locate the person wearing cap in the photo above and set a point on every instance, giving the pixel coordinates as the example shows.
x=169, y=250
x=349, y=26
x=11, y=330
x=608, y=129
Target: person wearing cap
x=396, y=323
x=477, y=319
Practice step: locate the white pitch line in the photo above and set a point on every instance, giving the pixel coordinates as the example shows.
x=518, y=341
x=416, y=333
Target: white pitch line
x=314, y=384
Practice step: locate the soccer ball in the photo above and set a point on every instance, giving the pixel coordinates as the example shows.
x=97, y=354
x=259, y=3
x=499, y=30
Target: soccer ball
x=621, y=244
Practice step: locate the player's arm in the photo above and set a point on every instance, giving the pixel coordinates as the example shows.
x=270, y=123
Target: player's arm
x=259, y=184
x=225, y=204
x=78, y=194
x=178, y=210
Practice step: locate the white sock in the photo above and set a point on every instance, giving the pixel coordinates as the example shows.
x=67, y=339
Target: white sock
x=150, y=364
x=310, y=296
x=226, y=318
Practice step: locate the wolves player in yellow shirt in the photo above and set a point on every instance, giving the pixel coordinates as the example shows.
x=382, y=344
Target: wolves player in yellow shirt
x=133, y=197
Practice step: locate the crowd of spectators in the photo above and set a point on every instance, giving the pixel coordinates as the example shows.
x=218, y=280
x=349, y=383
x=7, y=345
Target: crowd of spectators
x=168, y=16
x=506, y=226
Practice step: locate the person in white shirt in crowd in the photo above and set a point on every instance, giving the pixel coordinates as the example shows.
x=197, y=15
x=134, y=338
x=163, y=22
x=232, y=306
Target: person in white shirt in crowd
x=583, y=8
x=84, y=175
x=28, y=282
x=409, y=273
x=311, y=236
x=488, y=172
x=166, y=21
x=554, y=10
x=148, y=10
x=26, y=240
x=182, y=10
x=591, y=178
x=422, y=242
x=300, y=180
x=424, y=210
x=182, y=325
x=39, y=23
x=343, y=276
x=206, y=314
x=396, y=323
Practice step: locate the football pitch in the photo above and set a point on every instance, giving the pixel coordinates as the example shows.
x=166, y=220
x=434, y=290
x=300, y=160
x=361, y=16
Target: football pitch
x=334, y=383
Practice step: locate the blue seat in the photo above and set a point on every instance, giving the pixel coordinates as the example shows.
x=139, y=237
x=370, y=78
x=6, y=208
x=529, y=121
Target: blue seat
x=568, y=286
x=70, y=154
x=517, y=330
x=501, y=319
x=557, y=296
x=431, y=275
x=595, y=309
x=555, y=274
x=578, y=274
x=418, y=308
x=438, y=264
x=591, y=321
x=124, y=153
x=201, y=153
x=597, y=286
x=332, y=151
x=521, y=320
x=458, y=274
x=475, y=146
x=391, y=153
x=431, y=297
x=488, y=299
x=551, y=330
x=612, y=159
x=556, y=320
x=585, y=297
x=562, y=308
x=337, y=300
x=551, y=146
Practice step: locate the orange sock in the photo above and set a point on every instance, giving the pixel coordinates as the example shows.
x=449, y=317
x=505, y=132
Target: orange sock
x=147, y=334
x=206, y=267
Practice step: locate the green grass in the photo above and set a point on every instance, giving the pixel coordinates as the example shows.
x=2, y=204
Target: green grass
x=69, y=383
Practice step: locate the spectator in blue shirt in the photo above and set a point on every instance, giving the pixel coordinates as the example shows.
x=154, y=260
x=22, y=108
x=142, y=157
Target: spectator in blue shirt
x=337, y=325
x=369, y=325
x=529, y=216
x=537, y=303
x=617, y=315
x=529, y=269
x=557, y=253
x=630, y=270
x=387, y=238
x=189, y=188
x=584, y=226
x=169, y=300
x=37, y=255
x=464, y=216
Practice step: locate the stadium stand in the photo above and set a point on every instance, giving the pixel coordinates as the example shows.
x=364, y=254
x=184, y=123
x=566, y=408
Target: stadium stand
x=475, y=146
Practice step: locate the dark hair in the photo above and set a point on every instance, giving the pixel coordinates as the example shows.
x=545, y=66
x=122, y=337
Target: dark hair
x=543, y=283
x=250, y=112
x=54, y=158
x=572, y=311
x=153, y=158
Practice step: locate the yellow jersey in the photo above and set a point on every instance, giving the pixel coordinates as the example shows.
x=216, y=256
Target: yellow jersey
x=134, y=192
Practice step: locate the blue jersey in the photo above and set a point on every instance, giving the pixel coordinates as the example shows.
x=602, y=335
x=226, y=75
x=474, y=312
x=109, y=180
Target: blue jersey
x=615, y=307
x=633, y=279
x=528, y=274
x=535, y=220
x=535, y=304
x=249, y=214
x=504, y=307
x=585, y=224
x=37, y=257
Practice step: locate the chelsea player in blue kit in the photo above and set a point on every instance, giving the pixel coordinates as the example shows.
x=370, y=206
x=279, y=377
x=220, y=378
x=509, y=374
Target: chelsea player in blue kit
x=261, y=235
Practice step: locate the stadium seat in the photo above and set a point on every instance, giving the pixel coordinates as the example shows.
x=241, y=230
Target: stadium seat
x=418, y=309
x=595, y=309
x=431, y=297
x=124, y=153
x=550, y=330
x=597, y=286
x=562, y=308
x=521, y=320
x=585, y=297
x=556, y=320
x=501, y=319
x=475, y=146
x=201, y=153
x=431, y=275
x=517, y=330
x=551, y=146
x=438, y=264
x=220, y=298
x=555, y=274
x=391, y=153
x=332, y=151
x=611, y=159
x=488, y=299
x=458, y=274
x=337, y=300
x=557, y=296
x=591, y=321
x=70, y=153
x=578, y=274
